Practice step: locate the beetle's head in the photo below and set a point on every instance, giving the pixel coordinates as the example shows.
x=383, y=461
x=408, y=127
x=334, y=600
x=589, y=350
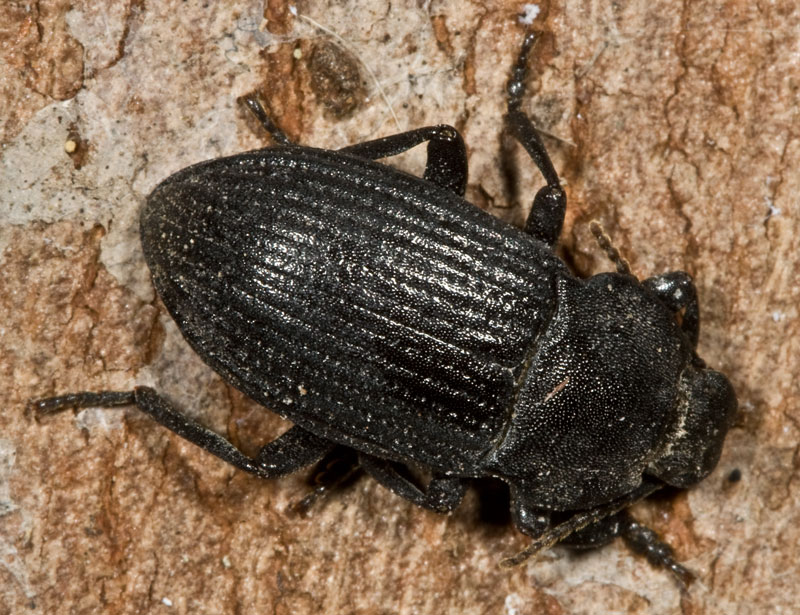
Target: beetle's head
x=706, y=410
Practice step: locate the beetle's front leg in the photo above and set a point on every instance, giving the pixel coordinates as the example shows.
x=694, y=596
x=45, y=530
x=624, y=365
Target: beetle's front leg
x=639, y=539
x=677, y=291
x=553, y=534
x=295, y=449
x=527, y=517
x=447, y=155
x=443, y=495
x=550, y=203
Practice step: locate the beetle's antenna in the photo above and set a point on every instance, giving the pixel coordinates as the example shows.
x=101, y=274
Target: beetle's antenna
x=604, y=241
x=576, y=522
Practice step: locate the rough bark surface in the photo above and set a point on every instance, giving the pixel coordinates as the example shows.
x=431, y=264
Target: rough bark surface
x=674, y=123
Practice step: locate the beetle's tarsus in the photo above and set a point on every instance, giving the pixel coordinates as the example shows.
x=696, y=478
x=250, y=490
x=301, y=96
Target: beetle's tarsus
x=85, y=399
x=292, y=451
x=546, y=216
x=611, y=521
x=644, y=541
x=516, y=85
x=257, y=109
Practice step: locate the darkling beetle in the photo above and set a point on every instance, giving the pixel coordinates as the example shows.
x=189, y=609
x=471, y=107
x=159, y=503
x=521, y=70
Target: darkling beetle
x=383, y=312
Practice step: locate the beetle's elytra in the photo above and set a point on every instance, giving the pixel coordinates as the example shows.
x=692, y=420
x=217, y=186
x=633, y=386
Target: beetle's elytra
x=383, y=312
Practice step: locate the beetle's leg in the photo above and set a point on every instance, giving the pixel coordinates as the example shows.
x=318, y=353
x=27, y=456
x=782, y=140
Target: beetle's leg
x=640, y=539
x=677, y=291
x=527, y=517
x=295, y=449
x=444, y=493
x=447, y=155
x=644, y=541
x=550, y=203
x=336, y=470
x=556, y=533
x=256, y=109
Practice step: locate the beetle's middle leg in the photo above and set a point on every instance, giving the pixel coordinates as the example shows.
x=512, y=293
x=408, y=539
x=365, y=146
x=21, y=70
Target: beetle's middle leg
x=550, y=203
x=444, y=493
x=292, y=451
x=447, y=155
x=251, y=100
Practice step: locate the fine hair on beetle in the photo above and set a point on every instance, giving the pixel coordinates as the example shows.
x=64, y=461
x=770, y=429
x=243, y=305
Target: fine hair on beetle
x=386, y=316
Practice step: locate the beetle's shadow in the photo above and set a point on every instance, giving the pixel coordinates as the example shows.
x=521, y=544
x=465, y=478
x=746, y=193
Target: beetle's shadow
x=493, y=502
x=508, y=164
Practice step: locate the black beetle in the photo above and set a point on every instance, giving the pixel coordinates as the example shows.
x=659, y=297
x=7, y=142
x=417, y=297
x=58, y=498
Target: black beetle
x=383, y=312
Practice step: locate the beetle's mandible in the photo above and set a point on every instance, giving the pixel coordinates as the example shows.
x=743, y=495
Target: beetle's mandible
x=383, y=312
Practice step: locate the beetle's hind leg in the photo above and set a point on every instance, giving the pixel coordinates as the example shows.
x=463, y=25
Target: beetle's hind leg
x=443, y=495
x=295, y=449
x=550, y=203
x=447, y=155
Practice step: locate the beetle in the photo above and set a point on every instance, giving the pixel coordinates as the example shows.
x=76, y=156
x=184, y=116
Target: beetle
x=382, y=312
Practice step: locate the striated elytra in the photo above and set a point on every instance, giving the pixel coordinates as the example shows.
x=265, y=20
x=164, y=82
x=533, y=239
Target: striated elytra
x=383, y=312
